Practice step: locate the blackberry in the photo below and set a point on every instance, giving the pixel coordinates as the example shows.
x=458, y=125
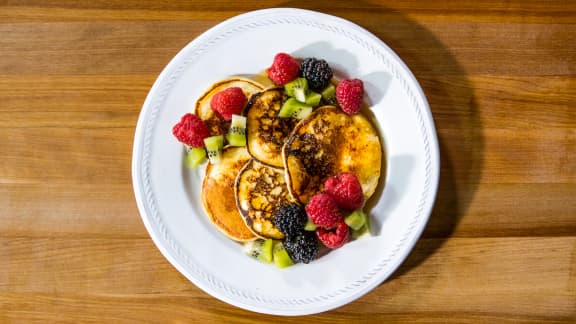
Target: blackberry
x=302, y=247
x=290, y=219
x=317, y=72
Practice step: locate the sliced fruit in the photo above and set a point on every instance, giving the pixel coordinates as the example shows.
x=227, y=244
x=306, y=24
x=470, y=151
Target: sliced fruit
x=310, y=226
x=214, y=145
x=281, y=257
x=327, y=143
x=237, y=132
x=356, y=219
x=294, y=108
x=260, y=250
x=329, y=94
x=297, y=89
x=218, y=197
x=195, y=156
x=313, y=98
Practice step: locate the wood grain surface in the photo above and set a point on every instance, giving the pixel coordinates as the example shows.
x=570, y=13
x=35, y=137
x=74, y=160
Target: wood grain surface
x=500, y=76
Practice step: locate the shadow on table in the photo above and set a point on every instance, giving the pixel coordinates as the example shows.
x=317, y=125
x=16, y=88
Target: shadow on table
x=453, y=106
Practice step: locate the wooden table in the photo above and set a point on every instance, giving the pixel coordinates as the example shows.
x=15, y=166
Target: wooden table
x=500, y=77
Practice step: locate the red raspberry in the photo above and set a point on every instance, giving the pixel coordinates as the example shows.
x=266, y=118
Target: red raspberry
x=284, y=69
x=346, y=190
x=333, y=238
x=191, y=130
x=228, y=102
x=349, y=94
x=323, y=211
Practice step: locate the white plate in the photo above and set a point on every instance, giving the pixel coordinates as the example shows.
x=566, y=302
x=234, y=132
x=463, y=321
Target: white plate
x=168, y=195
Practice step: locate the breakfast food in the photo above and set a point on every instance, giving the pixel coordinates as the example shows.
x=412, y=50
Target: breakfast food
x=291, y=164
x=218, y=196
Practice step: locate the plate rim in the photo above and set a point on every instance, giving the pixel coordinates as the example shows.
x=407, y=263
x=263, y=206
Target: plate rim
x=415, y=228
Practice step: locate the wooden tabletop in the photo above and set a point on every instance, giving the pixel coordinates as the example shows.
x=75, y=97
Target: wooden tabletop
x=500, y=77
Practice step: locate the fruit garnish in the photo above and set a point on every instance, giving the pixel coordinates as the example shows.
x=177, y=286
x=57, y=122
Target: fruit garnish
x=346, y=190
x=334, y=238
x=310, y=226
x=313, y=98
x=281, y=257
x=237, y=133
x=297, y=88
x=260, y=250
x=302, y=247
x=295, y=109
x=329, y=94
x=228, y=102
x=356, y=220
x=191, y=130
x=317, y=72
x=349, y=94
x=323, y=211
x=284, y=69
x=214, y=145
x=290, y=219
x=195, y=156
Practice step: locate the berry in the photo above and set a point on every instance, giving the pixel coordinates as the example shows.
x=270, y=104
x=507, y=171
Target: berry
x=346, y=190
x=323, y=211
x=284, y=69
x=290, y=219
x=334, y=238
x=349, y=94
x=228, y=102
x=191, y=130
x=317, y=72
x=303, y=247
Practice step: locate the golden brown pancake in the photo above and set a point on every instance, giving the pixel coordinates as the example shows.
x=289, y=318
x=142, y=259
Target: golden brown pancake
x=218, y=194
x=260, y=191
x=329, y=142
x=217, y=125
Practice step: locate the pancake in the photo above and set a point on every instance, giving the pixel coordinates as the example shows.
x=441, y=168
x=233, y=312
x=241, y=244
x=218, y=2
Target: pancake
x=260, y=191
x=218, y=194
x=266, y=132
x=329, y=142
x=217, y=125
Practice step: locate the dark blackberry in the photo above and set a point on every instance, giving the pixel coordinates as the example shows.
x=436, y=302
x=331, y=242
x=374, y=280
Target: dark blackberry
x=302, y=247
x=290, y=219
x=317, y=72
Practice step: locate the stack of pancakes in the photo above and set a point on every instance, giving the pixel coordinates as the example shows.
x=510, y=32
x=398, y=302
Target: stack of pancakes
x=286, y=160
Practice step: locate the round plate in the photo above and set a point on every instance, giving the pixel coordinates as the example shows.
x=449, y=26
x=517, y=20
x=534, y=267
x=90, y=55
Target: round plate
x=168, y=194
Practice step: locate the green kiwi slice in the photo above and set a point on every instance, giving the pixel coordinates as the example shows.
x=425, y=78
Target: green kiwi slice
x=313, y=98
x=214, y=145
x=356, y=219
x=329, y=94
x=237, y=133
x=195, y=156
x=297, y=88
x=260, y=250
x=281, y=257
x=294, y=108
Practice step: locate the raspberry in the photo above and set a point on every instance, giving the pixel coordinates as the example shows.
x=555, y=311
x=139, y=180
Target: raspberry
x=228, y=102
x=317, y=72
x=284, y=69
x=323, y=211
x=346, y=190
x=302, y=247
x=290, y=219
x=191, y=130
x=349, y=94
x=334, y=238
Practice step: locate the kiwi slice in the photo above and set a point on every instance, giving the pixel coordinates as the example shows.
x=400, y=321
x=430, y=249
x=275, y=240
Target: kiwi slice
x=362, y=231
x=310, y=226
x=356, y=219
x=329, y=94
x=294, y=108
x=260, y=250
x=313, y=98
x=237, y=133
x=297, y=88
x=214, y=145
x=281, y=257
x=195, y=156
